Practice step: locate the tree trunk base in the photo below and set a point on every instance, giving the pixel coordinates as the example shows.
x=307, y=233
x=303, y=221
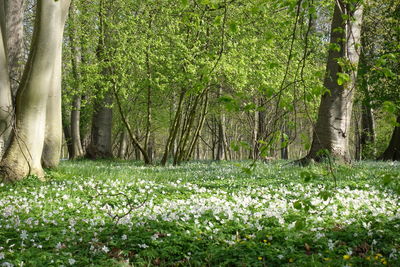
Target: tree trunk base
x=15, y=171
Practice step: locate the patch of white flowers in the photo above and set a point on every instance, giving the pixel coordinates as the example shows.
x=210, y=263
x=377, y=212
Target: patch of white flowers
x=208, y=208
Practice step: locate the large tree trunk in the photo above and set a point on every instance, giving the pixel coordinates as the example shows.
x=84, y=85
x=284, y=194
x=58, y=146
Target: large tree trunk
x=100, y=141
x=332, y=129
x=392, y=152
x=23, y=157
x=5, y=92
x=101, y=134
x=53, y=134
x=14, y=30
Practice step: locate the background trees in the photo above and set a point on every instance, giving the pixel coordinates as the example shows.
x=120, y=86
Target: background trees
x=169, y=81
x=230, y=79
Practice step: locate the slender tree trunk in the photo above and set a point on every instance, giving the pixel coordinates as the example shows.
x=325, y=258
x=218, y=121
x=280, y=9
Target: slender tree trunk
x=284, y=143
x=332, y=129
x=123, y=144
x=261, y=129
x=23, y=157
x=171, y=141
x=357, y=135
x=254, y=153
x=67, y=131
x=392, y=152
x=128, y=129
x=367, y=135
x=77, y=149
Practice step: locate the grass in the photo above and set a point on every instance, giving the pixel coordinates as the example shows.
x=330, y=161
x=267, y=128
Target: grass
x=112, y=213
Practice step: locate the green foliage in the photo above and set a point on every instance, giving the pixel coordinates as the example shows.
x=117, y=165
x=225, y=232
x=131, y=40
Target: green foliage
x=202, y=213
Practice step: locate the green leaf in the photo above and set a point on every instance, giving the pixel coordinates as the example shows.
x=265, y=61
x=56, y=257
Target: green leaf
x=233, y=27
x=300, y=224
x=297, y=205
x=247, y=170
x=342, y=78
x=387, y=179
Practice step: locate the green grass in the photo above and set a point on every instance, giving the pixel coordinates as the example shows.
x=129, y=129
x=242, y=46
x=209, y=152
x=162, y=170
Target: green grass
x=113, y=213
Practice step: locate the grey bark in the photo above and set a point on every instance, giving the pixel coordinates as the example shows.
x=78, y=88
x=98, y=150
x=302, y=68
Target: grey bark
x=5, y=92
x=332, y=129
x=53, y=131
x=123, y=144
x=284, y=144
x=14, y=30
x=76, y=144
x=23, y=157
x=367, y=135
x=77, y=149
x=100, y=141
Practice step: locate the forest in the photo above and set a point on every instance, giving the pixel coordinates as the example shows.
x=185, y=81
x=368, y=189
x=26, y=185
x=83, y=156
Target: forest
x=199, y=133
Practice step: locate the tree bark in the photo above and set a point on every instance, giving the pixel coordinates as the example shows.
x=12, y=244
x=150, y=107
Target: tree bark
x=367, y=128
x=5, y=92
x=392, y=152
x=332, y=129
x=100, y=141
x=284, y=143
x=23, y=157
x=14, y=30
x=67, y=129
x=123, y=144
x=76, y=144
x=53, y=131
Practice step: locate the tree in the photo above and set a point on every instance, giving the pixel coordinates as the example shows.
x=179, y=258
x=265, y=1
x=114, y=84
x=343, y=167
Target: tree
x=41, y=75
x=392, y=152
x=100, y=141
x=5, y=93
x=11, y=12
x=332, y=128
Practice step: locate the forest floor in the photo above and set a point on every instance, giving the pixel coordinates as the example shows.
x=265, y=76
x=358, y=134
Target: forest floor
x=113, y=213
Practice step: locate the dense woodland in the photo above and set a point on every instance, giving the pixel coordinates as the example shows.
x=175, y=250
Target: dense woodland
x=199, y=133
x=171, y=81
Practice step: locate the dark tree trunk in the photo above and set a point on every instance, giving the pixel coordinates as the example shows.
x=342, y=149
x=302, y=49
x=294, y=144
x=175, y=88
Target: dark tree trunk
x=77, y=150
x=100, y=140
x=392, y=152
x=284, y=143
x=367, y=135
